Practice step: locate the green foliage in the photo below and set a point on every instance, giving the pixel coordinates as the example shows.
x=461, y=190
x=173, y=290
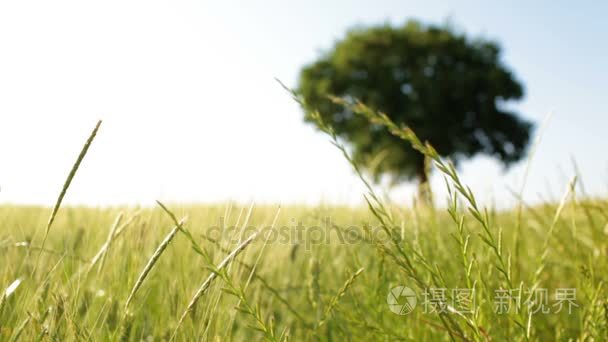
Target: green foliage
x=448, y=88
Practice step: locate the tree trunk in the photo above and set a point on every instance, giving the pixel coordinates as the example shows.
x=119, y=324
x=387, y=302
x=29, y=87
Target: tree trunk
x=424, y=189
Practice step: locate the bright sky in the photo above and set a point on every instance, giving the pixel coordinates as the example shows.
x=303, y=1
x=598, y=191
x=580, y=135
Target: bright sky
x=192, y=112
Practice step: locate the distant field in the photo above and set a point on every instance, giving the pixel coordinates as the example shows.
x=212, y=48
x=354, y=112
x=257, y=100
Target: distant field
x=305, y=286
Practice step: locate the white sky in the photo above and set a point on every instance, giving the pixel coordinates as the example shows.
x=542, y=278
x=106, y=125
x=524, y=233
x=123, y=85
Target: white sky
x=192, y=112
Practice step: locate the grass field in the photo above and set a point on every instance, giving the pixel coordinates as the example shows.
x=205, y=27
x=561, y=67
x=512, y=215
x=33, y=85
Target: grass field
x=229, y=272
x=300, y=287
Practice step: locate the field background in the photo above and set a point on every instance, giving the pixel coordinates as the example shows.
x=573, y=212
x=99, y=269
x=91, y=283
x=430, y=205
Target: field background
x=297, y=290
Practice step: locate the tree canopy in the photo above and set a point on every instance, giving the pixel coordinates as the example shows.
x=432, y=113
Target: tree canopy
x=450, y=89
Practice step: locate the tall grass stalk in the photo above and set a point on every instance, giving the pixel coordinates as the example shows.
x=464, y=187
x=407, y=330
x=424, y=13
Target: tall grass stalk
x=195, y=246
x=65, y=187
x=17, y=334
x=205, y=285
x=152, y=261
x=115, y=232
x=252, y=269
x=520, y=196
x=549, y=234
x=109, y=240
x=7, y=293
x=334, y=301
x=400, y=251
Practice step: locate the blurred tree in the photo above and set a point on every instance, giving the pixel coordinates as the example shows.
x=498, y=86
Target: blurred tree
x=449, y=89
